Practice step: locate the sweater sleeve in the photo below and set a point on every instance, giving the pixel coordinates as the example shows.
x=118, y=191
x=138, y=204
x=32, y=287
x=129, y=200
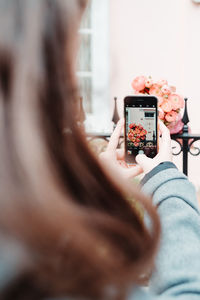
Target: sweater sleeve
x=177, y=269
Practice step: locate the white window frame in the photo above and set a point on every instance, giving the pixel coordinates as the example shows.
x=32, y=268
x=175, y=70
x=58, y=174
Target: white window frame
x=99, y=119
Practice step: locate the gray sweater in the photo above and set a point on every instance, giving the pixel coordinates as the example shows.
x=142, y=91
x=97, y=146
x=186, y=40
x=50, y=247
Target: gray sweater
x=177, y=274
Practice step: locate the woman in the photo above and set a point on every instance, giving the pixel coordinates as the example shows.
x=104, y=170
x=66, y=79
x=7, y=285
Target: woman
x=67, y=227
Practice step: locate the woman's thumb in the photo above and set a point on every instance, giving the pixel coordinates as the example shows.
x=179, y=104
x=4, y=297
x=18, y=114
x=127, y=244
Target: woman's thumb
x=144, y=162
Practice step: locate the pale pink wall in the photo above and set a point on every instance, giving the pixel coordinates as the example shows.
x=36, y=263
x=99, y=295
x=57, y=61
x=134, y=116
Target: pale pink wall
x=159, y=38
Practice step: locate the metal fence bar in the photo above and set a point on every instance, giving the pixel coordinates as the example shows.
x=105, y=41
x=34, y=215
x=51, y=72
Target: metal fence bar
x=186, y=140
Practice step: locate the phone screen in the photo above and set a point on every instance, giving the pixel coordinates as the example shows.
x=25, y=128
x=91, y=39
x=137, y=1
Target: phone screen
x=140, y=127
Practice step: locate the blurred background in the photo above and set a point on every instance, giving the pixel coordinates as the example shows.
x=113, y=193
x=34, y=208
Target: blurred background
x=122, y=39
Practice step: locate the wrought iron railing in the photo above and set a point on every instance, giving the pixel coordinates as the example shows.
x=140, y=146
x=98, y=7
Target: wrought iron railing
x=184, y=140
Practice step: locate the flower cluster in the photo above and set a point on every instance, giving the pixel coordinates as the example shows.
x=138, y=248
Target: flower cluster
x=136, y=134
x=169, y=102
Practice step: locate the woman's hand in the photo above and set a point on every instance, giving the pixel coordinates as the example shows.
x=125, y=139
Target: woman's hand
x=113, y=158
x=164, y=154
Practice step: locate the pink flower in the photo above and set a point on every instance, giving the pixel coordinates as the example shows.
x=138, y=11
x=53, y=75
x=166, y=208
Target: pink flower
x=173, y=89
x=160, y=100
x=137, y=93
x=171, y=116
x=149, y=82
x=166, y=90
x=138, y=83
x=179, y=117
x=162, y=82
x=161, y=113
x=176, y=127
x=155, y=90
x=176, y=101
x=166, y=106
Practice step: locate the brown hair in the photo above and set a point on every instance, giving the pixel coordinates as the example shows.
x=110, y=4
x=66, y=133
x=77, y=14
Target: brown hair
x=83, y=238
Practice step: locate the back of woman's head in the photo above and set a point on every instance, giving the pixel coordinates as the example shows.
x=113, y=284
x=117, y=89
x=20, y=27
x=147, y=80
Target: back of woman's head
x=81, y=235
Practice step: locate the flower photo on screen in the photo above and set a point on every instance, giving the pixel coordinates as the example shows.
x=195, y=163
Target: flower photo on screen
x=136, y=134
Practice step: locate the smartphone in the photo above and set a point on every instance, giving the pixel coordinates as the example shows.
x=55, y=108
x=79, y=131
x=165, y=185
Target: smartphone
x=141, y=127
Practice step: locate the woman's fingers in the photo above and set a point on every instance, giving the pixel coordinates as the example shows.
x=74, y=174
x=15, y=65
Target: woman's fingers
x=143, y=161
x=120, y=154
x=133, y=171
x=165, y=140
x=164, y=131
x=114, y=139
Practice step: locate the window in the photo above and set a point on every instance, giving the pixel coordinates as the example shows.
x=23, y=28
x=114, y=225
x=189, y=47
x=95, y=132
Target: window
x=85, y=60
x=93, y=66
